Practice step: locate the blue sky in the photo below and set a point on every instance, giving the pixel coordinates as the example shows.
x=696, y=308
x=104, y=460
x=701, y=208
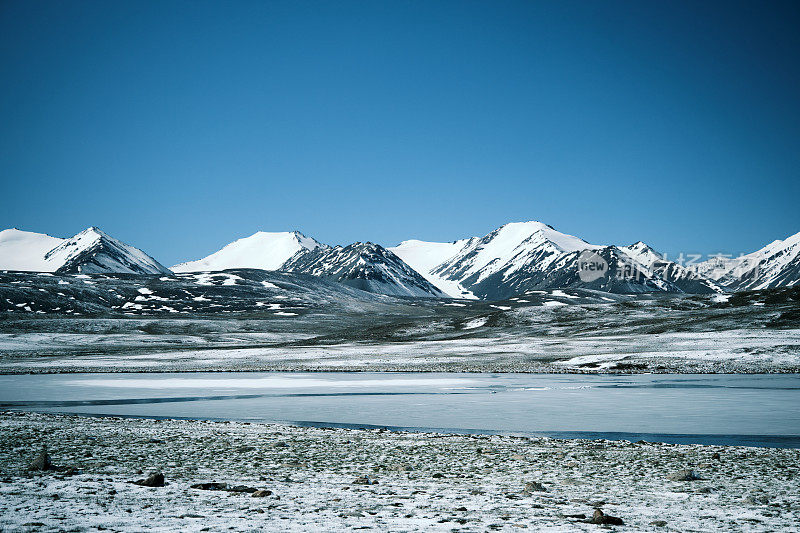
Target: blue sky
x=181, y=126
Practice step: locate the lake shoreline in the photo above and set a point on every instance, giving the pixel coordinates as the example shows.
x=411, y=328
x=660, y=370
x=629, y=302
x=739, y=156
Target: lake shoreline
x=11, y=367
x=748, y=441
x=316, y=479
x=391, y=370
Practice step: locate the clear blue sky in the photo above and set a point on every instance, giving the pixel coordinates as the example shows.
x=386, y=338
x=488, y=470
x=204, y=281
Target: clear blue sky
x=181, y=126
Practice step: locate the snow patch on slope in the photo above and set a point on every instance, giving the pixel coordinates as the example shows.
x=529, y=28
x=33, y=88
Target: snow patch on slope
x=424, y=256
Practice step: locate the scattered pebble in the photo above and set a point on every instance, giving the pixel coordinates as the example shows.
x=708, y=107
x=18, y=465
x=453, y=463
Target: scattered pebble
x=684, y=475
x=42, y=462
x=599, y=517
x=156, y=479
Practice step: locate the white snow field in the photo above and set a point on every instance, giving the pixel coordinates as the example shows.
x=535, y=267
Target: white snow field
x=424, y=257
x=264, y=250
x=26, y=250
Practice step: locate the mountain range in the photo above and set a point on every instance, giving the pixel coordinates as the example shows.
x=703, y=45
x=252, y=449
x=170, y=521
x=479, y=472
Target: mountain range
x=516, y=258
x=775, y=265
x=525, y=256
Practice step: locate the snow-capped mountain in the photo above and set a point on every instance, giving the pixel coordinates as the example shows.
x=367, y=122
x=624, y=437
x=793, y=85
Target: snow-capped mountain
x=485, y=263
x=93, y=252
x=775, y=265
x=365, y=266
x=524, y=256
x=89, y=252
x=621, y=275
x=476, y=266
x=263, y=250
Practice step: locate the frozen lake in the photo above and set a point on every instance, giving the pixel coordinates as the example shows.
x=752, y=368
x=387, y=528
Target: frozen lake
x=753, y=410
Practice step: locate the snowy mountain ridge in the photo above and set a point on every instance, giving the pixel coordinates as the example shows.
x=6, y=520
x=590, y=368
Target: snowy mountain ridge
x=513, y=259
x=775, y=265
x=424, y=257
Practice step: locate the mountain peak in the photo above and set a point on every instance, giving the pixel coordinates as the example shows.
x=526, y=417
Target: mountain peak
x=93, y=252
x=16, y=234
x=367, y=245
x=779, y=244
x=455, y=266
x=92, y=233
x=262, y=233
x=643, y=254
x=363, y=265
x=530, y=223
x=641, y=249
x=90, y=251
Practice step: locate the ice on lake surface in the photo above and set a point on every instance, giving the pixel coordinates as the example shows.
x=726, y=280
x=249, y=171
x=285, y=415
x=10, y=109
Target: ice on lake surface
x=757, y=410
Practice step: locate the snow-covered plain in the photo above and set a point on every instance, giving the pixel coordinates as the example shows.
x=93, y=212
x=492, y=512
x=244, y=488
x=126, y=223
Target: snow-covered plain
x=315, y=480
x=730, y=351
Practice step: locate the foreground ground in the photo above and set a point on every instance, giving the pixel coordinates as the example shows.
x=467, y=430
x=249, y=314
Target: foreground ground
x=315, y=480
